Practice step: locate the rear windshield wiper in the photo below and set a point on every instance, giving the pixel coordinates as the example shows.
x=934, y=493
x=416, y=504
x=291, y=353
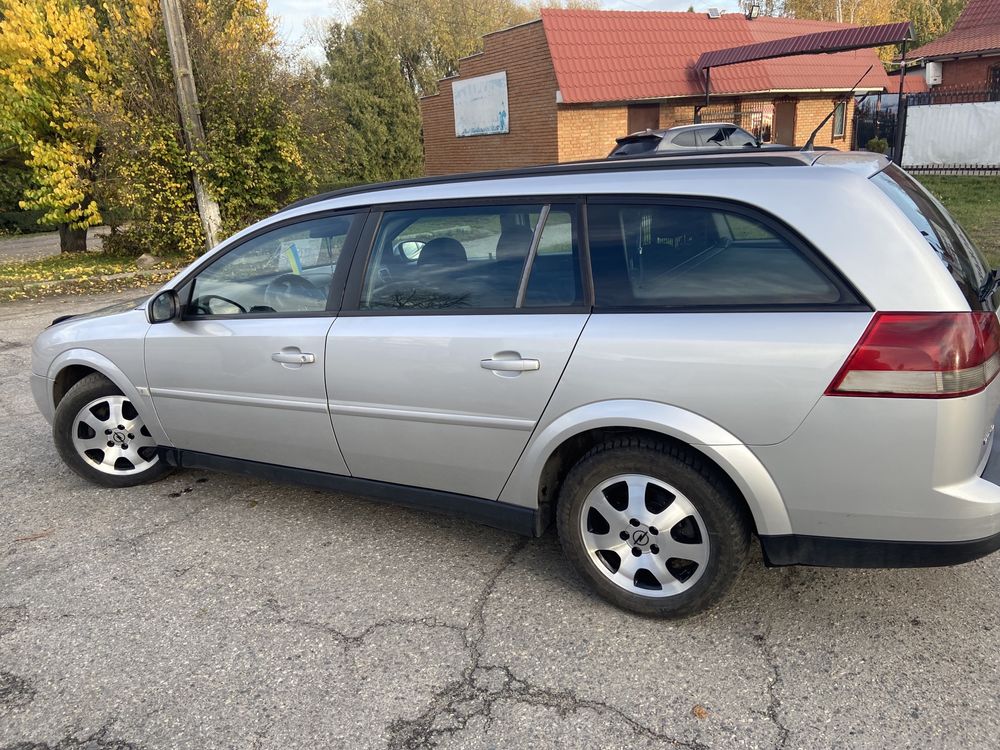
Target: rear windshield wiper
x=989, y=285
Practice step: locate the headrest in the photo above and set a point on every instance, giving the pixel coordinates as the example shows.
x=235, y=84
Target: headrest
x=442, y=251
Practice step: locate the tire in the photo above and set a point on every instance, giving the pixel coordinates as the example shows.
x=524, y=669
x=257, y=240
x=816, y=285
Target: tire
x=628, y=485
x=100, y=436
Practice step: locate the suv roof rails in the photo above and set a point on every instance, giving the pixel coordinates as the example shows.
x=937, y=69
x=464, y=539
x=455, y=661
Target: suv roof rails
x=772, y=157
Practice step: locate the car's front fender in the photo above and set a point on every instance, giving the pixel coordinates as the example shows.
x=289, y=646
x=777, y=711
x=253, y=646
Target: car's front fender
x=138, y=395
x=732, y=456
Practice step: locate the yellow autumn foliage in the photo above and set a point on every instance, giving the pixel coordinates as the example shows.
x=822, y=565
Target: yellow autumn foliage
x=51, y=69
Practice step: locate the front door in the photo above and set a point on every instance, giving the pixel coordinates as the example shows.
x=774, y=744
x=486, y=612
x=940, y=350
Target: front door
x=465, y=317
x=784, y=123
x=240, y=374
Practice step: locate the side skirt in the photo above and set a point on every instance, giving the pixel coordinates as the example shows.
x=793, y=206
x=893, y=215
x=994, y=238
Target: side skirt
x=504, y=516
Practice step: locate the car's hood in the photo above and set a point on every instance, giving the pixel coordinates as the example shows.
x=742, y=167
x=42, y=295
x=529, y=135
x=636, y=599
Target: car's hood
x=118, y=307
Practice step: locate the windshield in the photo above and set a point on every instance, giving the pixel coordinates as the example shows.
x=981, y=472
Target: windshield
x=962, y=258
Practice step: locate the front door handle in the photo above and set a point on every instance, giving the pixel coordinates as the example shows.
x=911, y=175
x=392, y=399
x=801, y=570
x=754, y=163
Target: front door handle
x=509, y=365
x=293, y=358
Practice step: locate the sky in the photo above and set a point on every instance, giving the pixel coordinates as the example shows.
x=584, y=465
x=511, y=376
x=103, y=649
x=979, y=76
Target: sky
x=298, y=18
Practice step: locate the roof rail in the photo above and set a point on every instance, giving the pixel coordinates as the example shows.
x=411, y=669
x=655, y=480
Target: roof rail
x=771, y=157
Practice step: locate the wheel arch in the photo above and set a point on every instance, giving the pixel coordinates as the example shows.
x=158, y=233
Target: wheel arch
x=553, y=450
x=73, y=365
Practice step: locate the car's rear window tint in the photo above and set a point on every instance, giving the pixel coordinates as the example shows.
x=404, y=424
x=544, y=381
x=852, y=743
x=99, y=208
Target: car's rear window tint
x=961, y=257
x=637, y=146
x=665, y=255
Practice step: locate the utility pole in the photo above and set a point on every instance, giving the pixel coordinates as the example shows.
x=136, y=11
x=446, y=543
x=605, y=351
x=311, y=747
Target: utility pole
x=187, y=103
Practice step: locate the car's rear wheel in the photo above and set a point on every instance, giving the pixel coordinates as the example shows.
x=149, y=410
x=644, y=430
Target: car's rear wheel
x=652, y=528
x=102, y=437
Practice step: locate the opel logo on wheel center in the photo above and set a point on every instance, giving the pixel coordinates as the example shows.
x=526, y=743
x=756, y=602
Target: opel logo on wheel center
x=640, y=537
x=118, y=437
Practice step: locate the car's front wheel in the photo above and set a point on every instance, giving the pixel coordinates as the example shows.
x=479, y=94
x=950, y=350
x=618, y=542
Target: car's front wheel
x=102, y=437
x=651, y=527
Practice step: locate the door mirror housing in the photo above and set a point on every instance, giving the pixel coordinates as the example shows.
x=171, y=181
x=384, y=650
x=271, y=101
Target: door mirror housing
x=163, y=307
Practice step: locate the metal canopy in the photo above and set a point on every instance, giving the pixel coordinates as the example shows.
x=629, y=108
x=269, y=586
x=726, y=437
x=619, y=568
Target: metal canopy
x=823, y=42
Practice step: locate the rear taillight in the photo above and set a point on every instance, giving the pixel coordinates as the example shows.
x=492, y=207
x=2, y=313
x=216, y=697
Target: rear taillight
x=922, y=355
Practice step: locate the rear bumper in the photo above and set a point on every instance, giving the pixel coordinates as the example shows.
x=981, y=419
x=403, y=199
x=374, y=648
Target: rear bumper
x=972, y=533
x=795, y=549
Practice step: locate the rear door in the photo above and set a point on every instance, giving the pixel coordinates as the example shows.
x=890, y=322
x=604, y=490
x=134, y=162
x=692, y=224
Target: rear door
x=455, y=331
x=712, y=307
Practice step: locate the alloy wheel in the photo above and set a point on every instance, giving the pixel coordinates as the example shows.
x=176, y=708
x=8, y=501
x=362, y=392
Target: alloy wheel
x=110, y=437
x=644, y=535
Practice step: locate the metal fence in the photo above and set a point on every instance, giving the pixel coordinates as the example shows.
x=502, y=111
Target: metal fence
x=755, y=117
x=964, y=146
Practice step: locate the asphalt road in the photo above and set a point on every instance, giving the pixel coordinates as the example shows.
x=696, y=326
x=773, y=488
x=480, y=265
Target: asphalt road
x=25, y=247
x=208, y=611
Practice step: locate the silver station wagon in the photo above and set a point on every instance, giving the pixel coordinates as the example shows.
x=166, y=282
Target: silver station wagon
x=669, y=358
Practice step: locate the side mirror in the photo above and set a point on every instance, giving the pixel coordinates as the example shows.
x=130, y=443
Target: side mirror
x=163, y=307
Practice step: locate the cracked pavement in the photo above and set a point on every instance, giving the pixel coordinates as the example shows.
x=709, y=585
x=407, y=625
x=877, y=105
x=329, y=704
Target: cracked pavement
x=208, y=611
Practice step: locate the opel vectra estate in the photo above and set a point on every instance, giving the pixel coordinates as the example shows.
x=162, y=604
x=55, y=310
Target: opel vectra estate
x=669, y=357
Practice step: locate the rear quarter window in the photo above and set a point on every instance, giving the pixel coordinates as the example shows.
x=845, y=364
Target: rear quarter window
x=960, y=256
x=688, y=256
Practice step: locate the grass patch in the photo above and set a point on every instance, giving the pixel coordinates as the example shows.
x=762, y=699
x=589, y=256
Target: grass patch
x=975, y=204
x=80, y=273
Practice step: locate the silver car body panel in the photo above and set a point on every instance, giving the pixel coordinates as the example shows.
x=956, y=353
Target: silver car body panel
x=109, y=343
x=412, y=403
x=218, y=390
x=891, y=468
x=735, y=459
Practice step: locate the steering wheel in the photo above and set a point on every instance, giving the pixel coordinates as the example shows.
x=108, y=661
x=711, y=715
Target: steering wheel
x=293, y=293
x=203, y=305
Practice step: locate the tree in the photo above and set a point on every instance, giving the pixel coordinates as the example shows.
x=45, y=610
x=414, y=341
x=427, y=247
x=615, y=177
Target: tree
x=51, y=69
x=375, y=105
x=431, y=36
x=251, y=159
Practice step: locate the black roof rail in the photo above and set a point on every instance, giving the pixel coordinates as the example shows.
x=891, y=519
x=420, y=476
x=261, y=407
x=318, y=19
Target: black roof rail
x=771, y=157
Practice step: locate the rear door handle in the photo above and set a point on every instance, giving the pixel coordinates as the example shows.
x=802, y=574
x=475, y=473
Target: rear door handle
x=294, y=358
x=509, y=365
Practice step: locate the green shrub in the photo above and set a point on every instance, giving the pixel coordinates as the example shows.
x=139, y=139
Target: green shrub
x=877, y=145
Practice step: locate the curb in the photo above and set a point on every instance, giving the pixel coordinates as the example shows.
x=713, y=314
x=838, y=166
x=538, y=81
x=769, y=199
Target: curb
x=70, y=283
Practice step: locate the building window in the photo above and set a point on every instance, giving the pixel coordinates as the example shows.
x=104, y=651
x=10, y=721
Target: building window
x=840, y=120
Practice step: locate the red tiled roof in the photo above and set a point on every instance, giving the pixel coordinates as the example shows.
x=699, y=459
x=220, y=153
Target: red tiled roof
x=606, y=56
x=976, y=30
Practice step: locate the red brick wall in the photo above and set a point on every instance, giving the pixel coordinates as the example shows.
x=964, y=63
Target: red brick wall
x=810, y=111
x=587, y=132
x=969, y=73
x=531, y=89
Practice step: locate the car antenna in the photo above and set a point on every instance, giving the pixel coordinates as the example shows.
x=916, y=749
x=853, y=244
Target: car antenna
x=812, y=136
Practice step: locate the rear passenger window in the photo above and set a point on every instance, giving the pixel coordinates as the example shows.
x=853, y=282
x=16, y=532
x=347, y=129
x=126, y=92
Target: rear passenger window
x=685, y=138
x=649, y=255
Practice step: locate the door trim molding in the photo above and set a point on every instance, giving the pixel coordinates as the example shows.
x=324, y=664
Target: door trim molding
x=504, y=516
x=236, y=399
x=436, y=417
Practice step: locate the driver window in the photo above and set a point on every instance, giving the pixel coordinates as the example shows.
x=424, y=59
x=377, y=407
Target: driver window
x=287, y=270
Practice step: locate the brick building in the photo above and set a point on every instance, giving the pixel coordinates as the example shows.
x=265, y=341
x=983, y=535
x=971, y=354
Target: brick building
x=968, y=56
x=564, y=87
